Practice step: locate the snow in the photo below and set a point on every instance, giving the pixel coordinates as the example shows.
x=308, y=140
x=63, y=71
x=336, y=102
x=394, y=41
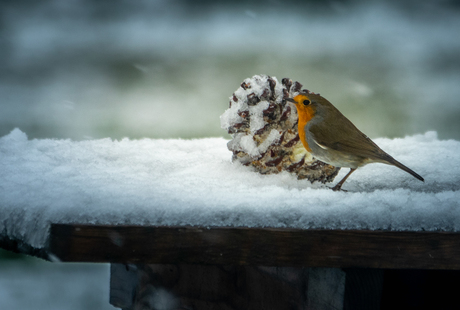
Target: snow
x=258, y=84
x=256, y=113
x=247, y=144
x=254, y=88
x=193, y=182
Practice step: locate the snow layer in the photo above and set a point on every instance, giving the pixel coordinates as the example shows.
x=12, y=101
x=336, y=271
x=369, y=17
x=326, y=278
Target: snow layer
x=193, y=182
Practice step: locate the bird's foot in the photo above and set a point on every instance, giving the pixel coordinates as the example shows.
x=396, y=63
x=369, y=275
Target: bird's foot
x=338, y=188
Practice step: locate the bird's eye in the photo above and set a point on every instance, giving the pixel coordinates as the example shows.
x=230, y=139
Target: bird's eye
x=306, y=102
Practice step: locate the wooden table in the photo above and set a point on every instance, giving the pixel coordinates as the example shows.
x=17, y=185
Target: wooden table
x=254, y=268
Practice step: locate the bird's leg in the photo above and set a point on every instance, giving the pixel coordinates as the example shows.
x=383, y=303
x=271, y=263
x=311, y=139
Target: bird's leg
x=339, y=185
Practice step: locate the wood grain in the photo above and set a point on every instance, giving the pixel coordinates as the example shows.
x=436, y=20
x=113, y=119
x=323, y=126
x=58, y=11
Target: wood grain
x=255, y=246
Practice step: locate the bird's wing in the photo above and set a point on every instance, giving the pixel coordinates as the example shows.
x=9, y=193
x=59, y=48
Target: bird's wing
x=346, y=138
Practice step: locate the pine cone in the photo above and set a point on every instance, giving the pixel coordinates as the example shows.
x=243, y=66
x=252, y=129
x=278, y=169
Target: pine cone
x=264, y=130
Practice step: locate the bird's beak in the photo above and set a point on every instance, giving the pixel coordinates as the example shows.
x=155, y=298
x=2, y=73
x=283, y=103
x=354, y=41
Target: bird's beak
x=291, y=100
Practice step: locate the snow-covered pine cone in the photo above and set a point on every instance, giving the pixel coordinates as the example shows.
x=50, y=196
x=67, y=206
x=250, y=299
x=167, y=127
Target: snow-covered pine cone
x=264, y=130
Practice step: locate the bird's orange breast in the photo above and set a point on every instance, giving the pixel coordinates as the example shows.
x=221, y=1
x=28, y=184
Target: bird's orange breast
x=305, y=115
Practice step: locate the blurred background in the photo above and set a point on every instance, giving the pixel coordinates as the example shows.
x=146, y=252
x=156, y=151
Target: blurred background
x=89, y=69
x=86, y=69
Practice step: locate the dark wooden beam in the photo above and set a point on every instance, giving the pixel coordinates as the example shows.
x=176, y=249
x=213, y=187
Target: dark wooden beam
x=255, y=246
x=212, y=287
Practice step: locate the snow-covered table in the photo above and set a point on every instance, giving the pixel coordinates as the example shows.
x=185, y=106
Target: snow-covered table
x=183, y=202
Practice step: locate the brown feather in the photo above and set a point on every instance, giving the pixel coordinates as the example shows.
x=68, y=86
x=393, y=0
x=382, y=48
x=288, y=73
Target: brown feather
x=339, y=133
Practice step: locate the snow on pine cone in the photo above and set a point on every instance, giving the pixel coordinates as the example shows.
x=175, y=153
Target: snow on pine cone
x=264, y=130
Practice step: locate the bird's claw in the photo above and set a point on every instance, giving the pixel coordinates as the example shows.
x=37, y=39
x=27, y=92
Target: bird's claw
x=338, y=189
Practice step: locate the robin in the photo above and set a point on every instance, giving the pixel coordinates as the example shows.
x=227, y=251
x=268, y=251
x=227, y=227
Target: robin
x=330, y=137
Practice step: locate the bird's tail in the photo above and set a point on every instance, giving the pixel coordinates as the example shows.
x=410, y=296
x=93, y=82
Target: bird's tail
x=396, y=163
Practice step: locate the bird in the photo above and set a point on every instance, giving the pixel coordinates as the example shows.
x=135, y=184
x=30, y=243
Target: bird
x=332, y=138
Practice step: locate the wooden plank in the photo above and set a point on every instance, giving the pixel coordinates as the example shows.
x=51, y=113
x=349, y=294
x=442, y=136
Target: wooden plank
x=208, y=287
x=212, y=287
x=255, y=246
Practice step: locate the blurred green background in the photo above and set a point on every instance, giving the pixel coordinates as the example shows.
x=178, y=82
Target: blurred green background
x=165, y=69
